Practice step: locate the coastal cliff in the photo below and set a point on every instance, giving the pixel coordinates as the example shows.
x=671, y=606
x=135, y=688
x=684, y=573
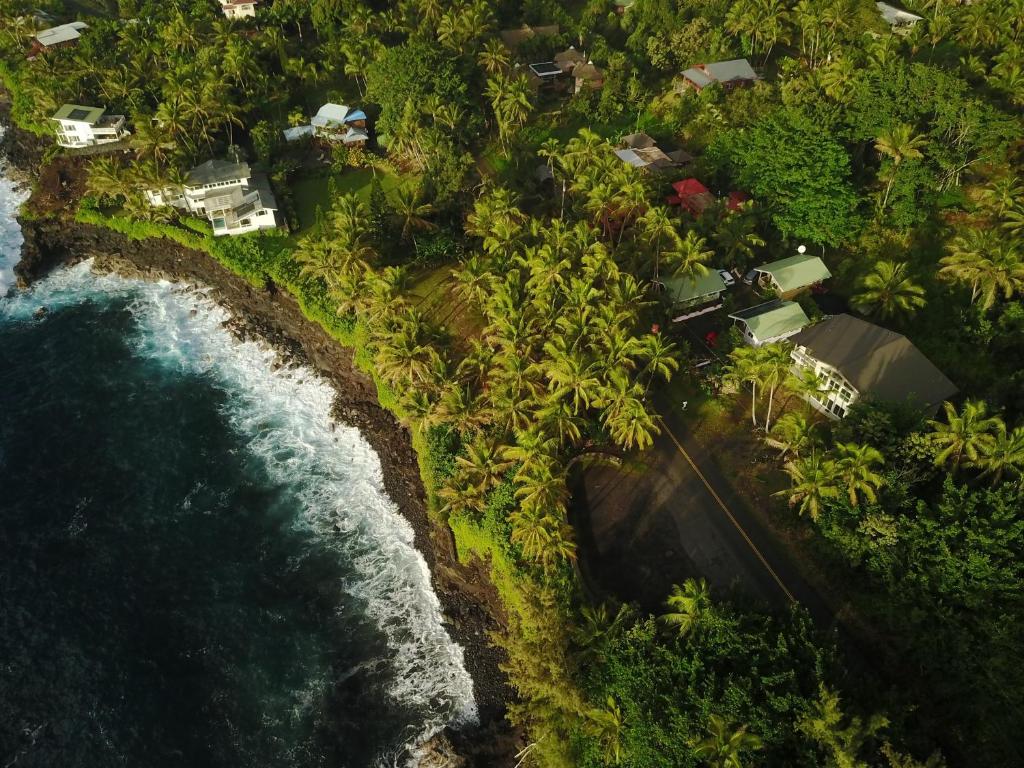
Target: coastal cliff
x=471, y=606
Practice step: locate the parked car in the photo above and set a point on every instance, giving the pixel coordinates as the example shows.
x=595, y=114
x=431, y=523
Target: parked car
x=748, y=279
x=727, y=278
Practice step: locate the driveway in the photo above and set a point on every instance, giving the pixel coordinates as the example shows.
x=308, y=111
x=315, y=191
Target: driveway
x=643, y=527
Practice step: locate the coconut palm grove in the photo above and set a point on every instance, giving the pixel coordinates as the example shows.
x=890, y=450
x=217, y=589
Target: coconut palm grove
x=629, y=272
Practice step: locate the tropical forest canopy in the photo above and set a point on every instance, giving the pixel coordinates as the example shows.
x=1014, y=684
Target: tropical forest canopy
x=893, y=153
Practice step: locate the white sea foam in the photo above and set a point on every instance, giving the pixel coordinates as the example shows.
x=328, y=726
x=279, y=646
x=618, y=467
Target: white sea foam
x=286, y=415
x=11, y=197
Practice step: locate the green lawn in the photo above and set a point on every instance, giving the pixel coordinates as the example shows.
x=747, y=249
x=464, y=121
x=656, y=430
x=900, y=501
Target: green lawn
x=312, y=191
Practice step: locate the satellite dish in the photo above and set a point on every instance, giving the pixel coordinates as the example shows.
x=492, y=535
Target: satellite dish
x=802, y=249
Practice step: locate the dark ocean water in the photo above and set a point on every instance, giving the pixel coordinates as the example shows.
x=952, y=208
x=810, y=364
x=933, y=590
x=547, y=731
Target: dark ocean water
x=195, y=569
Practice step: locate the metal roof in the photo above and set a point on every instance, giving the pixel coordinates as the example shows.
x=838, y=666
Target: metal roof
x=734, y=69
x=772, y=319
x=697, y=77
x=897, y=16
x=683, y=289
x=630, y=157
x=78, y=113
x=214, y=171
x=876, y=361
x=330, y=114
x=297, y=132
x=796, y=272
x=545, y=69
x=355, y=135
x=65, y=33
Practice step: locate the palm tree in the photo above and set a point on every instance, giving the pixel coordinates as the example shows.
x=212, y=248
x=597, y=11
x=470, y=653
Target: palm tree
x=107, y=178
x=661, y=357
x=855, y=467
x=630, y=424
x=725, y=743
x=744, y=367
x=888, y=290
x=571, y=375
x=534, y=452
x=483, y=464
x=1004, y=455
x=510, y=100
x=774, y=363
x=494, y=57
x=986, y=262
x=794, y=433
x=689, y=259
x=1000, y=195
x=813, y=480
x=411, y=212
x=659, y=229
x=899, y=143
x=840, y=77
x=736, y=238
x=688, y=605
x=605, y=725
x=965, y=436
x=544, y=489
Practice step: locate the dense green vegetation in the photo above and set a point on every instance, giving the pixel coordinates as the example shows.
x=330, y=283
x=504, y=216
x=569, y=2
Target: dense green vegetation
x=534, y=351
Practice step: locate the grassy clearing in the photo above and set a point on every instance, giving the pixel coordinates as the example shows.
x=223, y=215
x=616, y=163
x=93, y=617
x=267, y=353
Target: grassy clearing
x=431, y=293
x=312, y=191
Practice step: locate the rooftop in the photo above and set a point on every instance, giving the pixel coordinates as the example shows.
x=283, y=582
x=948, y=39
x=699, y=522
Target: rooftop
x=64, y=33
x=897, y=16
x=683, y=289
x=79, y=113
x=330, y=113
x=796, y=272
x=545, y=69
x=214, y=171
x=734, y=69
x=876, y=361
x=772, y=319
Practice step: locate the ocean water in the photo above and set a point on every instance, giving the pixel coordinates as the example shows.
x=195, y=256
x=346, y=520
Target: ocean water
x=196, y=568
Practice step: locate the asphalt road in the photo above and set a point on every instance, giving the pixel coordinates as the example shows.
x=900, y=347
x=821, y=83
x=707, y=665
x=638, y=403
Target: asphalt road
x=645, y=527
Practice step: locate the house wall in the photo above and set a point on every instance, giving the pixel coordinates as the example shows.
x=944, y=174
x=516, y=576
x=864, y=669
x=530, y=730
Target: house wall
x=240, y=11
x=754, y=341
x=76, y=133
x=261, y=219
x=837, y=394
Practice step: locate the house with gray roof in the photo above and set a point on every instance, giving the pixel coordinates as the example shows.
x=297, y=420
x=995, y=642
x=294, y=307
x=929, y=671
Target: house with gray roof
x=770, y=322
x=853, y=359
x=789, y=276
x=80, y=126
x=228, y=194
x=729, y=74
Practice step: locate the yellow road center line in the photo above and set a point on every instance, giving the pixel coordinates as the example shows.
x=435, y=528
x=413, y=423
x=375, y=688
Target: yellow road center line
x=728, y=514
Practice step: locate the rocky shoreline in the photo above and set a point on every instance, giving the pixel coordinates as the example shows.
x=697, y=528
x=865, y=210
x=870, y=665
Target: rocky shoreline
x=471, y=606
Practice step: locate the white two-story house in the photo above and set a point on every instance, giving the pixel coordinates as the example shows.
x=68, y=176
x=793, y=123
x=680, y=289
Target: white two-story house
x=228, y=194
x=79, y=126
x=853, y=359
x=238, y=9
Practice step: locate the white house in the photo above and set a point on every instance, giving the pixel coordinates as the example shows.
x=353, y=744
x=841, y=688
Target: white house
x=239, y=9
x=79, y=126
x=898, y=19
x=228, y=194
x=853, y=358
x=770, y=322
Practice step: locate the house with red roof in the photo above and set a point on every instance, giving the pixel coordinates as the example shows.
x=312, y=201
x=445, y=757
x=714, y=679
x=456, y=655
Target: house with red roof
x=691, y=196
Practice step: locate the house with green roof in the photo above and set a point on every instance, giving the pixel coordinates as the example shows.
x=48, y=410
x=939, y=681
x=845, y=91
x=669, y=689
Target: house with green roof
x=79, y=126
x=693, y=296
x=789, y=276
x=770, y=322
